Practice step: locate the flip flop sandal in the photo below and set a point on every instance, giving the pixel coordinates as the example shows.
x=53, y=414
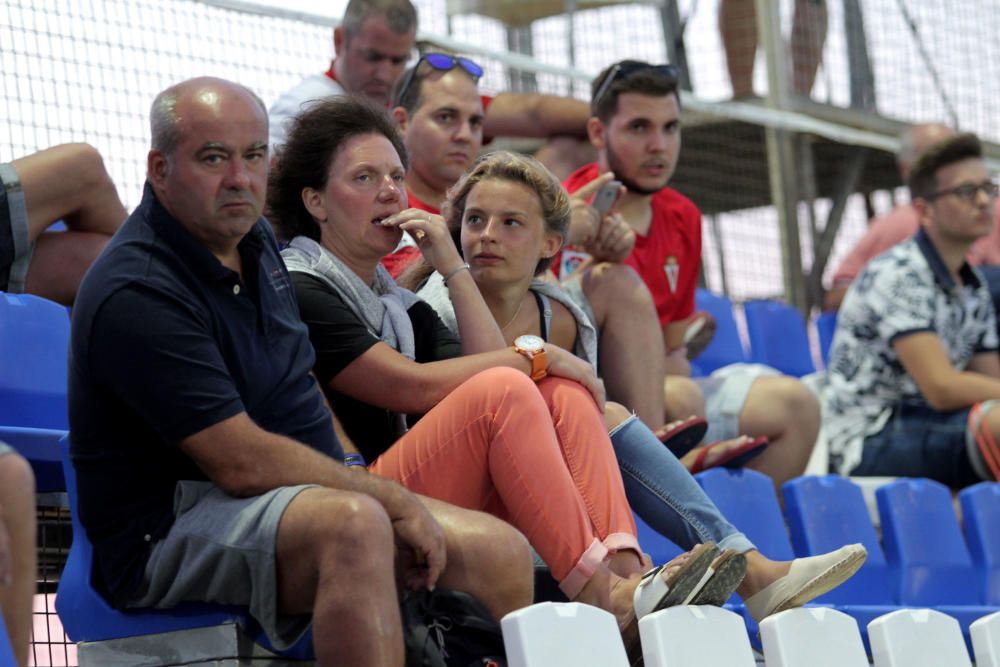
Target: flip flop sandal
x=727, y=571
x=684, y=437
x=655, y=593
x=736, y=457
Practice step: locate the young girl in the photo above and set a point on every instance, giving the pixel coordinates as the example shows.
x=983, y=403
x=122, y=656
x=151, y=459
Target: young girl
x=512, y=215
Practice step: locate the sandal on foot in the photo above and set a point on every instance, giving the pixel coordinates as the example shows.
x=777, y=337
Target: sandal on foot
x=727, y=571
x=660, y=588
x=731, y=457
x=808, y=578
x=671, y=584
x=685, y=436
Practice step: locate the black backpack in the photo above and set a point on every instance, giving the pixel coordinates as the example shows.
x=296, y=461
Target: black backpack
x=444, y=628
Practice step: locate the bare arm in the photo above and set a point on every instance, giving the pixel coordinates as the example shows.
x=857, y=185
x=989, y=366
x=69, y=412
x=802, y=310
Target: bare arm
x=476, y=326
x=244, y=460
x=374, y=376
x=534, y=115
x=942, y=385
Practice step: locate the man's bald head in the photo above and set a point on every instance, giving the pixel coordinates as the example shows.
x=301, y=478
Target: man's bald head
x=165, y=116
x=916, y=139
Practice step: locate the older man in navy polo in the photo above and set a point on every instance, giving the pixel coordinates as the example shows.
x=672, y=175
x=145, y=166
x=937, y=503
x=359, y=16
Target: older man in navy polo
x=207, y=462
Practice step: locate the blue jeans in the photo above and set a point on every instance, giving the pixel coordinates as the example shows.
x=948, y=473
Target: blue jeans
x=919, y=441
x=665, y=495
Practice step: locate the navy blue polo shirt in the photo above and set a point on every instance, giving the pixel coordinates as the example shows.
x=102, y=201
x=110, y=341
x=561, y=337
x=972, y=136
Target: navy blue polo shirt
x=166, y=341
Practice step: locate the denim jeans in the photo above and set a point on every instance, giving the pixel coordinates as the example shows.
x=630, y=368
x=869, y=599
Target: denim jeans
x=665, y=495
x=919, y=441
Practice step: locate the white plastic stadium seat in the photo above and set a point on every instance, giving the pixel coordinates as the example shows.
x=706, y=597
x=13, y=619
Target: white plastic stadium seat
x=562, y=634
x=814, y=636
x=917, y=638
x=986, y=640
x=704, y=636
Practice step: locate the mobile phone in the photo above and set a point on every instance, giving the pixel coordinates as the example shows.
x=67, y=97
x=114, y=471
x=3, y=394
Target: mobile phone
x=606, y=197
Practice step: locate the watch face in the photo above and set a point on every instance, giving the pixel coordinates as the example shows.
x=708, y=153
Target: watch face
x=529, y=343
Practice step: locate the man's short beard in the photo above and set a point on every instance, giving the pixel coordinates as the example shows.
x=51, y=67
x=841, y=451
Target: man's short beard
x=615, y=165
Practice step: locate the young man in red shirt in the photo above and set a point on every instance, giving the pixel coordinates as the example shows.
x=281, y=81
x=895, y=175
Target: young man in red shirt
x=636, y=129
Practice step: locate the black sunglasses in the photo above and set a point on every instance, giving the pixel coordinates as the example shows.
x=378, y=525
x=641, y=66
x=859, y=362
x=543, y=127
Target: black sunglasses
x=626, y=69
x=967, y=191
x=442, y=62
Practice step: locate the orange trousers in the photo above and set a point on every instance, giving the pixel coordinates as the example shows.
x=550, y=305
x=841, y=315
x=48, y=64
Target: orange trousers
x=537, y=456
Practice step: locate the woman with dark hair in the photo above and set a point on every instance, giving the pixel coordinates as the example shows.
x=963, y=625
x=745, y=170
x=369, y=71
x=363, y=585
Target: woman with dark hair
x=514, y=431
x=510, y=215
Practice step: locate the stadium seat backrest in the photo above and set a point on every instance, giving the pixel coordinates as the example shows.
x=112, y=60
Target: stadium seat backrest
x=726, y=346
x=986, y=640
x=87, y=616
x=562, y=634
x=981, y=519
x=928, y=560
x=747, y=499
x=826, y=326
x=695, y=635
x=778, y=337
x=6, y=652
x=813, y=636
x=825, y=513
x=917, y=638
x=34, y=343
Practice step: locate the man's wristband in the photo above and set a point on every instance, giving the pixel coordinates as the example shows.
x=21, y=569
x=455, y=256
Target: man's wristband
x=451, y=274
x=351, y=460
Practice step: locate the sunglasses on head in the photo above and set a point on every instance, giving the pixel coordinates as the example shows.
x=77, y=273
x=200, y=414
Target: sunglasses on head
x=624, y=70
x=442, y=62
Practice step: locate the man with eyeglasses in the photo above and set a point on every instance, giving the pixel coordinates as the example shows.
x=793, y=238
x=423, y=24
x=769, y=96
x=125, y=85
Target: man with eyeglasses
x=914, y=371
x=901, y=223
x=373, y=43
x=636, y=128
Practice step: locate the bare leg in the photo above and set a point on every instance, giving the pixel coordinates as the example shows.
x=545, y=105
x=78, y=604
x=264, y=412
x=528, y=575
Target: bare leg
x=761, y=572
x=682, y=397
x=487, y=557
x=808, y=37
x=336, y=555
x=738, y=28
x=17, y=516
x=787, y=412
x=631, y=343
x=68, y=183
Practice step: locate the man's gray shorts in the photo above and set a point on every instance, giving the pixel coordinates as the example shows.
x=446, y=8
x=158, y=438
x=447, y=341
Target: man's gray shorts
x=15, y=248
x=5, y=448
x=222, y=549
x=726, y=392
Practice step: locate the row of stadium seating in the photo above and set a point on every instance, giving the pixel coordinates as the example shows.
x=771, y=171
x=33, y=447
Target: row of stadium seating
x=922, y=560
x=777, y=333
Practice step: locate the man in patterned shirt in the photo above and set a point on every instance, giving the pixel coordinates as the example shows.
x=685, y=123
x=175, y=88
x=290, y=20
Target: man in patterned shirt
x=914, y=370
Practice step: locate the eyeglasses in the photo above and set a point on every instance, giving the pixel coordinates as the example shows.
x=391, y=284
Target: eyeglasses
x=626, y=69
x=442, y=62
x=967, y=191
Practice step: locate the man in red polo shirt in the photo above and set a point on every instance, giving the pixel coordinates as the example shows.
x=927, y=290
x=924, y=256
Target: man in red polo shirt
x=636, y=129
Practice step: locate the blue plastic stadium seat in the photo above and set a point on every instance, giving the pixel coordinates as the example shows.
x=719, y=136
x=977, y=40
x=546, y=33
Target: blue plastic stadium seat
x=747, y=499
x=34, y=343
x=87, y=616
x=726, y=347
x=826, y=326
x=6, y=651
x=981, y=519
x=929, y=563
x=659, y=548
x=825, y=513
x=778, y=337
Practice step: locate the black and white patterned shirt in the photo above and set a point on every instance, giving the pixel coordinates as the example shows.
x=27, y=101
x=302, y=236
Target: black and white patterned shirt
x=906, y=290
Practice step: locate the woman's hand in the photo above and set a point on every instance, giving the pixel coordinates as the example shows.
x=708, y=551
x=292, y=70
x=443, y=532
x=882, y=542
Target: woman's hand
x=430, y=233
x=565, y=364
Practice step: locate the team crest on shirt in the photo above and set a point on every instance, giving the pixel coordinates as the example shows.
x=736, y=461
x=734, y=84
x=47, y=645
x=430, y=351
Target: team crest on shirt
x=673, y=271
